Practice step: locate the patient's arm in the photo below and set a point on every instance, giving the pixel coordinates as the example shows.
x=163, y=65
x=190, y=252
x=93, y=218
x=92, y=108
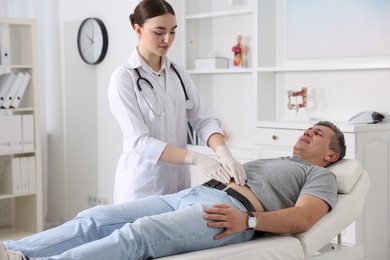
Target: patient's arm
x=300, y=218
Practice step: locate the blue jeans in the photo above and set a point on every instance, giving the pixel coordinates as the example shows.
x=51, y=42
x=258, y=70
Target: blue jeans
x=152, y=227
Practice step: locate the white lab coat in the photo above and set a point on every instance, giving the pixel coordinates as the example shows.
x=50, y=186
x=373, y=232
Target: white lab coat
x=139, y=172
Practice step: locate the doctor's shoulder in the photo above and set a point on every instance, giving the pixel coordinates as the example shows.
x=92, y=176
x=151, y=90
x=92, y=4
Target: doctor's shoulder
x=121, y=77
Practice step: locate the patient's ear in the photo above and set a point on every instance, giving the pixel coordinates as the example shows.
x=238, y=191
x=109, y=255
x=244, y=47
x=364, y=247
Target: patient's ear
x=332, y=157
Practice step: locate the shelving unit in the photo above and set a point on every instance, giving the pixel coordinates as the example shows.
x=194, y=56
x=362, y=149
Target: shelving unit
x=212, y=27
x=21, y=212
x=206, y=31
x=261, y=86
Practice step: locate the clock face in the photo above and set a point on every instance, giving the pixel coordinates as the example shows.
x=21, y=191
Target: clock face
x=92, y=40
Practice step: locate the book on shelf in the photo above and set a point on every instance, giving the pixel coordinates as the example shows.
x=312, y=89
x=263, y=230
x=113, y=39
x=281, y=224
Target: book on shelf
x=6, y=81
x=20, y=91
x=12, y=90
x=5, y=55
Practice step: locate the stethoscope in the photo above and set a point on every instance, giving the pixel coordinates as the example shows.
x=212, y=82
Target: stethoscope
x=189, y=103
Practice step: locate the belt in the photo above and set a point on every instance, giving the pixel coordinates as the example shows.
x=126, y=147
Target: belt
x=235, y=194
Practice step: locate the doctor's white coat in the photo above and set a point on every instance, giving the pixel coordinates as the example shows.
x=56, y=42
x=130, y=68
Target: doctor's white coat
x=139, y=172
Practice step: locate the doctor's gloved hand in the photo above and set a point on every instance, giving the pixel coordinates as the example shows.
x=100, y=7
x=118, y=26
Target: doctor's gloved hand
x=208, y=166
x=231, y=165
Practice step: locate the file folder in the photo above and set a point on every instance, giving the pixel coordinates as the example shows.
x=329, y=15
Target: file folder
x=32, y=174
x=11, y=136
x=28, y=132
x=6, y=81
x=10, y=182
x=4, y=142
x=12, y=91
x=20, y=91
x=16, y=187
x=5, y=54
x=24, y=172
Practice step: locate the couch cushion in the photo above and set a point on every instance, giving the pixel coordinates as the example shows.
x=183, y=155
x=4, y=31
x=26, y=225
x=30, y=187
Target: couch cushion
x=348, y=208
x=276, y=247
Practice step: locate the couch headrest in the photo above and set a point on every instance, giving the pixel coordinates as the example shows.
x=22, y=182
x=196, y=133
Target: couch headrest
x=347, y=172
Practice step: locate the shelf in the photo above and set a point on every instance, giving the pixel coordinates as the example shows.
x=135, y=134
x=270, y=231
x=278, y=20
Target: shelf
x=10, y=196
x=344, y=126
x=218, y=14
x=25, y=66
x=17, y=153
x=11, y=110
x=324, y=68
x=13, y=234
x=22, y=166
x=17, y=21
x=222, y=71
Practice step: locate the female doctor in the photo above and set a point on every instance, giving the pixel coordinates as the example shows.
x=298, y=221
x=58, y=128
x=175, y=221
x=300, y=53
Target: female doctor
x=153, y=100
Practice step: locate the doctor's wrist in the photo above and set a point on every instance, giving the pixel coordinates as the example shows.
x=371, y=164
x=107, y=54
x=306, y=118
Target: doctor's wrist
x=191, y=157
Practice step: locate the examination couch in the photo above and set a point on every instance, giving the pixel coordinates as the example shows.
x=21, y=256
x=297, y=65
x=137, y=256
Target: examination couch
x=322, y=241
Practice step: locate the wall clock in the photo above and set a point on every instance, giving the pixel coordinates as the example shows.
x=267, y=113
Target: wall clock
x=92, y=40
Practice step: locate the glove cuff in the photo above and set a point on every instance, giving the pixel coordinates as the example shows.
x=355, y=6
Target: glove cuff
x=223, y=152
x=191, y=157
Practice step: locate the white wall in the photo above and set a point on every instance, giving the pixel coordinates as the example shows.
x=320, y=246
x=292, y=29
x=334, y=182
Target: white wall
x=92, y=137
x=93, y=140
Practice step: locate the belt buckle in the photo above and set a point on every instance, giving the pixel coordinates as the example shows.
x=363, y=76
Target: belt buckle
x=213, y=183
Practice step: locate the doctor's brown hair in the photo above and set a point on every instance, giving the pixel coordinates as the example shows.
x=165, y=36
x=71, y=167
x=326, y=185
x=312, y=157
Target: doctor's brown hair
x=147, y=9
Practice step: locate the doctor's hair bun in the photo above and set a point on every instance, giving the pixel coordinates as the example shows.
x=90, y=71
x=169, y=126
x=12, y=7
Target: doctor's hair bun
x=147, y=9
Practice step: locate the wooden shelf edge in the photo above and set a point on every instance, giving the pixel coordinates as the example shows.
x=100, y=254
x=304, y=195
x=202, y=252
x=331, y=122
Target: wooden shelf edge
x=13, y=233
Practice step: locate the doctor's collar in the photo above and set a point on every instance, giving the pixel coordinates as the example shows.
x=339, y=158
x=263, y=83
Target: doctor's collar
x=148, y=68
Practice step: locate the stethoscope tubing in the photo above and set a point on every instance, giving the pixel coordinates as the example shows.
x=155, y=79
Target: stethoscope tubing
x=189, y=103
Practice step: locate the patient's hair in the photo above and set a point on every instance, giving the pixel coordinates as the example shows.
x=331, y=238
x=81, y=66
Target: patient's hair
x=337, y=142
x=147, y=9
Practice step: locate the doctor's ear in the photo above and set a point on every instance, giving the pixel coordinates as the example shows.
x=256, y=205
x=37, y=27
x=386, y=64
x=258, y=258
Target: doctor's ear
x=138, y=30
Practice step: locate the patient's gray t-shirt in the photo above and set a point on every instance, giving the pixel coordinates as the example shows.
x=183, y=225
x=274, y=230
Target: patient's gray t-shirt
x=279, y=182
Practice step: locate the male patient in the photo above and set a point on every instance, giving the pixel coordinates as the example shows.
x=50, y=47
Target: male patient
x=282, y=195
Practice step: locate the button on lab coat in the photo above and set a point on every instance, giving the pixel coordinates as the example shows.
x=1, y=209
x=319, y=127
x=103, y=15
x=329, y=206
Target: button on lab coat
x=139, y=172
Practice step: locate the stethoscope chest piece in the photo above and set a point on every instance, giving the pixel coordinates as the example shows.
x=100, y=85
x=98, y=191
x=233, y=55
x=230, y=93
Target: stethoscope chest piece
x=189, y=104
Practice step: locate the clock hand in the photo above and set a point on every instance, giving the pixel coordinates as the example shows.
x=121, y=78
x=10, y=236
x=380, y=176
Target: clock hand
x=89, y=38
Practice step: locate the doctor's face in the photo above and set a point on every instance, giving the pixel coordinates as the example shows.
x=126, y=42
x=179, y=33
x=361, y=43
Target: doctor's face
x=156, y=35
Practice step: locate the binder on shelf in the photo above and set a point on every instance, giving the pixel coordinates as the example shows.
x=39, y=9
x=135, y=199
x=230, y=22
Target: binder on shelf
x=190, y=134
x=6, y=81
x=11, y=133
x=24, y=172
x=5, y=54
x=20, y=91
x=12, y=90
x=4, y=143
x=10, y=183
x=28, y=132
x=192, y=137
x=32, y=183
x=18, y=175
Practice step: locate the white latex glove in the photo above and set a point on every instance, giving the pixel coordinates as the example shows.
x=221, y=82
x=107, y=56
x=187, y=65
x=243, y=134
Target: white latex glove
x=208, y=166
x=231, y=165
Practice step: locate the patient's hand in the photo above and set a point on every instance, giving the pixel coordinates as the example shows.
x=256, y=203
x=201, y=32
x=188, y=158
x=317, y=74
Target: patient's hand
x=227, y=217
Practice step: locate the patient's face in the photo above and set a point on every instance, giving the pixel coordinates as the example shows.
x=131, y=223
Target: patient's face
x=315, y=142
